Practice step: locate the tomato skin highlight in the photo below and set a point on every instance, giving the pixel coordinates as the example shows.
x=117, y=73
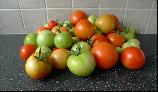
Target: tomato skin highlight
x=76, y=16
x=26, y=51
x=133, y=58
x=106, y=55
x=84, y=29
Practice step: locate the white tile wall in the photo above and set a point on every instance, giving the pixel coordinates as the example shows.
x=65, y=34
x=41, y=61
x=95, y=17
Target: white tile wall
x=20, y=16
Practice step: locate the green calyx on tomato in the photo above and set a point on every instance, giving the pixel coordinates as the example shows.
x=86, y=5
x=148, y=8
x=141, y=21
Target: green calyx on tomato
x=43, y=49
x=79, y=47
x=63, y=40
x=129, y=33
x=31, y=39
x=45, y=38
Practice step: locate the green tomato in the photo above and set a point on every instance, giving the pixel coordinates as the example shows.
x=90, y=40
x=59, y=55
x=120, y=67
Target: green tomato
x=75, y=39
x=129, y=44
x=45, y=38
x=81, y=65
x=63, y=40
x=44, y=49
x=84, y=46
x=92, y=18
x=134, y=41
x=45, y=25
x=31, y=39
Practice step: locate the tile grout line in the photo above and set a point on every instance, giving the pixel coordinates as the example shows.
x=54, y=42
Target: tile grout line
x=124, y=16
x=46, y=10
x=22, y=17
x=148, y=20
x=99, y=7
x=76, y=8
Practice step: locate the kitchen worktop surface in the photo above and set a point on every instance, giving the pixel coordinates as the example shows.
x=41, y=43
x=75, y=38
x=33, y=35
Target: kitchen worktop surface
x=13, y=76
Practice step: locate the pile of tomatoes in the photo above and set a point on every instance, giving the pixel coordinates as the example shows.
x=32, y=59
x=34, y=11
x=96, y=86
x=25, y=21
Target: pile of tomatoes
x=81, y=44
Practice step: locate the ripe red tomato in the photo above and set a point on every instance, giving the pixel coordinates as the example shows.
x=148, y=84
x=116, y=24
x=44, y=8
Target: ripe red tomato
x=41, y=28
x=52, y=24
x=98, y=38
x=106, y=55
x=76, y=16
x=84, y=29
x=116, y=39
x=133, y=58
x=26, y=51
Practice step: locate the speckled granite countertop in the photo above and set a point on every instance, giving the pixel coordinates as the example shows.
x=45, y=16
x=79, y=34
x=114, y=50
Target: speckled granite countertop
x=13, y=76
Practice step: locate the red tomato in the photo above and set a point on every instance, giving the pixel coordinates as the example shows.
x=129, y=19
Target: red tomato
x=76, y=16
x=133, y=58
x=98, y=38
x=84, y=29
x=116, y=39
x=41, y=28
x=106, y=55
x=26, y=51
x=52, y=24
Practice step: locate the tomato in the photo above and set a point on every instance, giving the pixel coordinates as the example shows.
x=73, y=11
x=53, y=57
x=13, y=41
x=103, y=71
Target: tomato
x=76, y=16
x=116, y=39
x=44, y=49
x=133, y=58
x=68, y=25
x=82, y=64
x=31, y=39
x=41, y=28
x=63, y=40
x=129, y=33
x=59, y=58
x=105, y=54
x=84, y=29
x=116, y=20
x=75, y=39
x=131, y=42
x=57, y=29
x=92, y=18
x=52, y=24
x=45, y=38
x=38, y=67
x=26, y=51
x=105, y=23
x=98, y=38
x=84, y=46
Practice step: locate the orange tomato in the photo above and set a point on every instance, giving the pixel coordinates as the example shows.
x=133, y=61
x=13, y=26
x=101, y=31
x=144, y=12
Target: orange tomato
x=116, y=39
x=84, y=29
x=106, y=55
x=76, y=16
x=97, y=38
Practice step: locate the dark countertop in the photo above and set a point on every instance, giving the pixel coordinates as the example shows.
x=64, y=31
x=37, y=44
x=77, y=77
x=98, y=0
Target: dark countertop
x=13, y=76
